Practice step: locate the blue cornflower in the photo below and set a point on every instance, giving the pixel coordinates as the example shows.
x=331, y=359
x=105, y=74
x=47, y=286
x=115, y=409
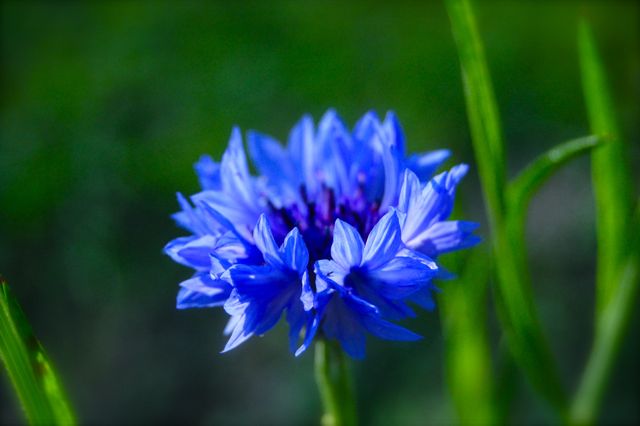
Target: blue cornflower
x=339, y=233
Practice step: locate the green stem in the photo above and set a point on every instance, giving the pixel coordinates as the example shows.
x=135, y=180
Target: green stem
x=334, y=384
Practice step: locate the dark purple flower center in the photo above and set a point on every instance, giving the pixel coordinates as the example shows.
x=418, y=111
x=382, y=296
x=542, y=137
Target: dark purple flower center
x=316, y=224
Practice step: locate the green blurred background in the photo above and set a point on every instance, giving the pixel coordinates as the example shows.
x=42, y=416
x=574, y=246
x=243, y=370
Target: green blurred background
x=106, y=105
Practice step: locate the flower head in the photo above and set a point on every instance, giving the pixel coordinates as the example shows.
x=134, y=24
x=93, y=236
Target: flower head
x=339, y=233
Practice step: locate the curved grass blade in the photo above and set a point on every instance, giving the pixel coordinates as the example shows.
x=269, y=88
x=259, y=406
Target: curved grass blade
x=522, y=188
x=30, y=371
x=514, y=297
x=610, y=172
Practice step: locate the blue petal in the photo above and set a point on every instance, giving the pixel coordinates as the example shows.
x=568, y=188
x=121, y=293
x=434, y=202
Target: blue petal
x=208, y=172
x=383, y=242
x=423, y=208
x=424, y=298
x=196, y=252
x=237, y=200
x=366, y=127
x=401, y=277
x=391, y=159
x=302, y=150
x=194, y=219
x=265, y=242
x=334, y=142
x=425, y=165
x=394, y=133
x=347, y=246
x=388, y=331
x=202, y=292
x=306, y=296
x=446, y=236
x=331, y=270
x=294, y=252
x=174, y=246
x=298, y=318
x=239, y=334
x=275, y=164
x=343, y=324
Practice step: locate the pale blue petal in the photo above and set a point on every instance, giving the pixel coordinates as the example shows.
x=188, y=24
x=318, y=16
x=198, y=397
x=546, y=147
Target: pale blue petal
x=265, y=242
x=347, y=247
x=294, y=252
x=302, y=150
x=425, y=165
x=446, y=236
x=208, y=172
x=383, y=242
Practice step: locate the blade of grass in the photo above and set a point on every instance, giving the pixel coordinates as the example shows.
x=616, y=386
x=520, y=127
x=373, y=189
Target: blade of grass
x=610, y=172
x=618, y=231
x=30, y=371
x=610, y=330
x=513, y=292
x=467, y=351
x=522, y=188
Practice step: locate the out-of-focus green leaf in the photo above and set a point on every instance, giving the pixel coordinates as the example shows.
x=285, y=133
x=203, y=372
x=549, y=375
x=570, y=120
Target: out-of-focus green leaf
x=610, y=172
x=467, y=351
x=529, y=180
x=514, y=297
x=30, y=371
x=610, y=329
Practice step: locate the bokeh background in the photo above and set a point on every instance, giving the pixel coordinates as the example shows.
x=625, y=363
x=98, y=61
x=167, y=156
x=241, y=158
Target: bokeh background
x=105, y=106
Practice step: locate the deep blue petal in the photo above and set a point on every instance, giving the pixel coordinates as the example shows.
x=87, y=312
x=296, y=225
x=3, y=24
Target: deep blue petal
x=388, y=331
x=344, y=325
x=424, y=298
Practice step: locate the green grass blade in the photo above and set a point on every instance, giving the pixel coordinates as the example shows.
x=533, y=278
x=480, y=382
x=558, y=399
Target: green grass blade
x=482, y=109
x=610, y=172
x=470, y=374
x=522, y=188
x=610, y=330
x=514, y=297
x=29, y=369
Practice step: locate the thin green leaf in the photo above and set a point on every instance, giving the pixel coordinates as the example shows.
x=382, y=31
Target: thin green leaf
x=470, y=374
x=537, y=172
x=482, y=109
x=30, y=371
x=610, y=172
x=514, y=297
x=610, y=330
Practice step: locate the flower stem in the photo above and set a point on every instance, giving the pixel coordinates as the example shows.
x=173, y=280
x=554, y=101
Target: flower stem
x=334, y=384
